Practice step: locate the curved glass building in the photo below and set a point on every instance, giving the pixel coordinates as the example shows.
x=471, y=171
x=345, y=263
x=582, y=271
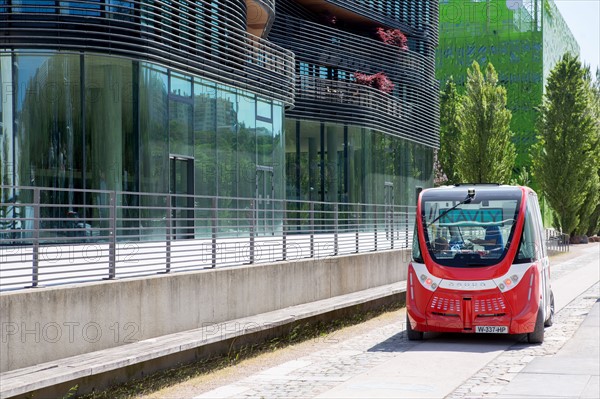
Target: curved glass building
x=212, y=98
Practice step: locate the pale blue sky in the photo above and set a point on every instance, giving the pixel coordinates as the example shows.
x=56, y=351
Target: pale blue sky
x=583, y=18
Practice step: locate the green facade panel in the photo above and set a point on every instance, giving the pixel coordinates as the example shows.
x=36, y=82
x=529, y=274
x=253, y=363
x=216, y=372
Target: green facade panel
x=523, y=39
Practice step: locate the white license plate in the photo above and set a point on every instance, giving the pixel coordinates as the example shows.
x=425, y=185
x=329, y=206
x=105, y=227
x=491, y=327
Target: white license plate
x=492, y=329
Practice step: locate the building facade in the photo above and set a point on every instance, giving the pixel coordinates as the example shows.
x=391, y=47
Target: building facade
x=523, y=39
x=212, y=98
x=346, y=142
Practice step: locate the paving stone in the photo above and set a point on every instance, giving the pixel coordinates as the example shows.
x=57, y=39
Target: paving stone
x=566, y=323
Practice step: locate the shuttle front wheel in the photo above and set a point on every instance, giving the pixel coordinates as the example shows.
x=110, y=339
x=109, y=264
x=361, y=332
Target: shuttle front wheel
x=412, y=335
x=550, y=319
x=537, y=336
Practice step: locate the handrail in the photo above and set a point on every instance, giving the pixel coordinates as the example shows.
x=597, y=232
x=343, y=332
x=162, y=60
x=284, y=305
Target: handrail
x=119, y=234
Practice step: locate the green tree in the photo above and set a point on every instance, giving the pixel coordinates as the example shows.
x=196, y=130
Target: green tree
x=566, y=157
x=594, y=219
x=486, y=153
x=449, y=132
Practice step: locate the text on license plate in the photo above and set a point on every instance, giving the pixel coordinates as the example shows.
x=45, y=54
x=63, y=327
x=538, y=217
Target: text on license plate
x=492, y=329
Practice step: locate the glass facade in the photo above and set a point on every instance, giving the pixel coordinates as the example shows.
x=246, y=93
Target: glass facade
x=201, y=112
x=89, y=121
x=331, y=162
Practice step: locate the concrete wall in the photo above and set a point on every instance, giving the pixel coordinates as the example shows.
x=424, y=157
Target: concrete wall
x=45, y=324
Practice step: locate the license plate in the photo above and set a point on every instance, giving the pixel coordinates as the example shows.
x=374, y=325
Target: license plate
x=492, y=329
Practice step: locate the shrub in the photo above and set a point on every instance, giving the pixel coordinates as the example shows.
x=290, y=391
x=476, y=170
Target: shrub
x=393, y=37
x=364, y=79
x=378, y=81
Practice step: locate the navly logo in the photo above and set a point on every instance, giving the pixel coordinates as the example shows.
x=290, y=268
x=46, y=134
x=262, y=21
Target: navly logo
x=468, y=284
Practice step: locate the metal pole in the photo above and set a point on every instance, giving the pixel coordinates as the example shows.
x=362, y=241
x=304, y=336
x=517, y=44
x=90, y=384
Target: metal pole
x=284, y=231
x=335, y=231
x=406, y=227
x=36, y=238
x=169, y=232
x=376, y=221
x=112, y=246
x=357, y=226
x=392, y=225
x=215, y=203
x=252, y=231
x=312, y=229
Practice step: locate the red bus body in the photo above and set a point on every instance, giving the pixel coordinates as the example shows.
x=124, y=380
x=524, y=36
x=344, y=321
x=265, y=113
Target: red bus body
x=511, y=294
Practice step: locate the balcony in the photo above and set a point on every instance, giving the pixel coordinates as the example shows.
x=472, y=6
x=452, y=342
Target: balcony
x=260, y=16
x=328, y=46
x=410, y=18
x=348, y=93
x=355, y=104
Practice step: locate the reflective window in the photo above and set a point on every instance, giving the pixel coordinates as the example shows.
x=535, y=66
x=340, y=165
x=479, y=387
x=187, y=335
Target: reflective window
x=264, y=143
x=332, y=162
x=181, y=135
x=111, y=148
x=264, y=109
x=181, y=85
x=227, y=142
x=334, y=167
x=278, y=162
x=205, y=152
x=247, y=144
x=356, y=165
x=6, y=127
x=121, y=10
x=154, y=158
x=47, y=141
x=34, y=6
x=89, y=8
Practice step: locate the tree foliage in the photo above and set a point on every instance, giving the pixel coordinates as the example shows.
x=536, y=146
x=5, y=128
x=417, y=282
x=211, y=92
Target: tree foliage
x=566, y=158
x=486, y=153
x=449, y=132
x=594, y=220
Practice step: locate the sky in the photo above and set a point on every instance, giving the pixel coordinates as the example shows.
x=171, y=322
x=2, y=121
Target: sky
x=583, y=18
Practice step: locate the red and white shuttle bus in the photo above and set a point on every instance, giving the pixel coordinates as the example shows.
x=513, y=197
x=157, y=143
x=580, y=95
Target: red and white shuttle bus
x=479, y=263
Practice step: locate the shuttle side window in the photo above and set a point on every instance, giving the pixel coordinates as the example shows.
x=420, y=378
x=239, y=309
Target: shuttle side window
x=416, y=248
x=529, y=238
x=541, y=243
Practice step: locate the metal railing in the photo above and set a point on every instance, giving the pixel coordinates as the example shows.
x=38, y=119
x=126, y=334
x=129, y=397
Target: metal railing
x=348, y=93
x=58, y=236
x=557, y=241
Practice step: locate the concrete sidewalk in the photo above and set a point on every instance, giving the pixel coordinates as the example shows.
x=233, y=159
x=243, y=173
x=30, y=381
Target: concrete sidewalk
x=574, y=372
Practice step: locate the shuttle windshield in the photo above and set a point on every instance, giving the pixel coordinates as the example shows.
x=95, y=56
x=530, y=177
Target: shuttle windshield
x=469, y=233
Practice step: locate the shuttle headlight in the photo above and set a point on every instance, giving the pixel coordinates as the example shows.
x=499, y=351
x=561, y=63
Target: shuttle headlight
x=427, y=280
x=511, y=279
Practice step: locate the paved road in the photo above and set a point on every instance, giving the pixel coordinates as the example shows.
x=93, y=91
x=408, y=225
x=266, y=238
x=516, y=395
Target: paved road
x=382, y=363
